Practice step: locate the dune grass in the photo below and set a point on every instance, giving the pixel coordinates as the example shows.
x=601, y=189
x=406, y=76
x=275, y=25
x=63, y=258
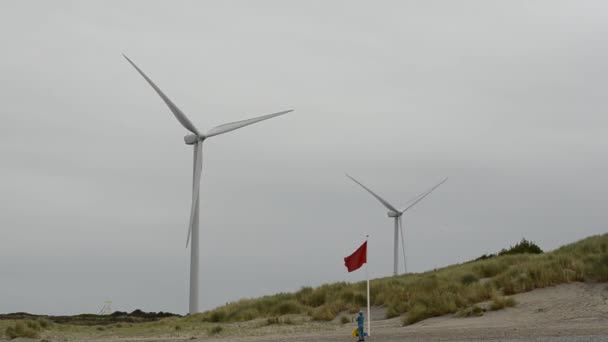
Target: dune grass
x=30, y=328
x=453, y=289
x=438, y=292
x=499, y=303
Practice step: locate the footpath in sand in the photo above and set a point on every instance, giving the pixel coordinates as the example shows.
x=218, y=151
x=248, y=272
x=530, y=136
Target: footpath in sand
x=569, y=312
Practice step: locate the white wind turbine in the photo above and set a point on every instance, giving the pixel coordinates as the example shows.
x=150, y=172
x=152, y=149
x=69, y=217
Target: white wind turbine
x=396, y=214
x=196, y=139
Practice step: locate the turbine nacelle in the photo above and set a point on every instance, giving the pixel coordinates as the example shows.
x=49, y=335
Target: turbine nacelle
x=192, y=139
x=393, y=214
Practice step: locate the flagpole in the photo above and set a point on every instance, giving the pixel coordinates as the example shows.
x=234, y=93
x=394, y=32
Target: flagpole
x=369, y=317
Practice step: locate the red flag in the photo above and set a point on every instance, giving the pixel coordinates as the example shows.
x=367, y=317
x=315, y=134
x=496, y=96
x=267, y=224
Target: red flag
x=354, y=261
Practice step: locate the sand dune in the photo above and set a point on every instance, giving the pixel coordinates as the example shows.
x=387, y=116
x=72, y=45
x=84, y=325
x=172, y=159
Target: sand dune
x=570, y=312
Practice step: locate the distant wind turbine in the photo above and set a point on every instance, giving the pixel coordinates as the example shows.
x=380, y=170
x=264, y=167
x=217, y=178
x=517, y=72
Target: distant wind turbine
x=196, y=139
x=396, y=214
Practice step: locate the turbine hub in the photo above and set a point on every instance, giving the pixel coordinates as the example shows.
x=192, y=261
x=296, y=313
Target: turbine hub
x=393, y=214
x=192, y=139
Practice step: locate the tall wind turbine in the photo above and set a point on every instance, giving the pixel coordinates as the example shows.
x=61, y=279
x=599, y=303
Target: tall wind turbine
x=196, y=139
x=396, y=214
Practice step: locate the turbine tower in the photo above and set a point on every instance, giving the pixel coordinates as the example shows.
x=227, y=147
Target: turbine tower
x=396, y=215
x=196, y=139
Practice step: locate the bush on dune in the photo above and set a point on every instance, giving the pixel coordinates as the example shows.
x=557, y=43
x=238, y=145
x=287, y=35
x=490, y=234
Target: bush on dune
x=524, y=246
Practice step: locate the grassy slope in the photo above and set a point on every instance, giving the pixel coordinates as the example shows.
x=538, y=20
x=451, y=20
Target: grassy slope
x=434, y=293
x=413, y=296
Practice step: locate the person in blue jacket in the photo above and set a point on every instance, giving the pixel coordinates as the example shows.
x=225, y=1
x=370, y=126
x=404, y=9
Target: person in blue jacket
x=360, y=321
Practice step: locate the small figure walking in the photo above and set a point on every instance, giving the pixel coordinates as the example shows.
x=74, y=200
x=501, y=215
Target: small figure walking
x=360, y=321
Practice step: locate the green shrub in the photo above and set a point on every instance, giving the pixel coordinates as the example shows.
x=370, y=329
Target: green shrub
x=344, y=320
x=524, y=246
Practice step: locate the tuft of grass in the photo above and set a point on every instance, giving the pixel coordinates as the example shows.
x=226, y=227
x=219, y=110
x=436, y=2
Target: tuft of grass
x=216, y=330
x=392, y=311
x=273, y=320
x=217, y=316
x=27, y=329
x=499, y=303
x=327, y=312
x=278, y=320
x=417, y=313
x=344, y=320
x=468, y=279
x=471, y=311
x=289, y=307
x=44, y=322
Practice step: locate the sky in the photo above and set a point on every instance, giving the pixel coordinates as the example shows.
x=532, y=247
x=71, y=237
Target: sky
x=506, y=98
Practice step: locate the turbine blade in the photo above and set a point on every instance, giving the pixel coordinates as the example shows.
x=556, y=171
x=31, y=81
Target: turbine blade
x=181, y=117
x=196, y=184
x=416, y=200
x=382, y=200
x=221, y=129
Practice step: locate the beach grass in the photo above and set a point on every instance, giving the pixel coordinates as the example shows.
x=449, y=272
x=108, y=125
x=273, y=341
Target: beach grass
x=443, y=291
x=456, y=289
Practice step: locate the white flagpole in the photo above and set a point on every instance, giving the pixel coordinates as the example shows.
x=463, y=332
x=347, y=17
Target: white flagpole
x=369, y=317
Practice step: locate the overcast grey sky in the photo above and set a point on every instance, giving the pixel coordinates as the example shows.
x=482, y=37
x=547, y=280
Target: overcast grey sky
x=507, y=98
